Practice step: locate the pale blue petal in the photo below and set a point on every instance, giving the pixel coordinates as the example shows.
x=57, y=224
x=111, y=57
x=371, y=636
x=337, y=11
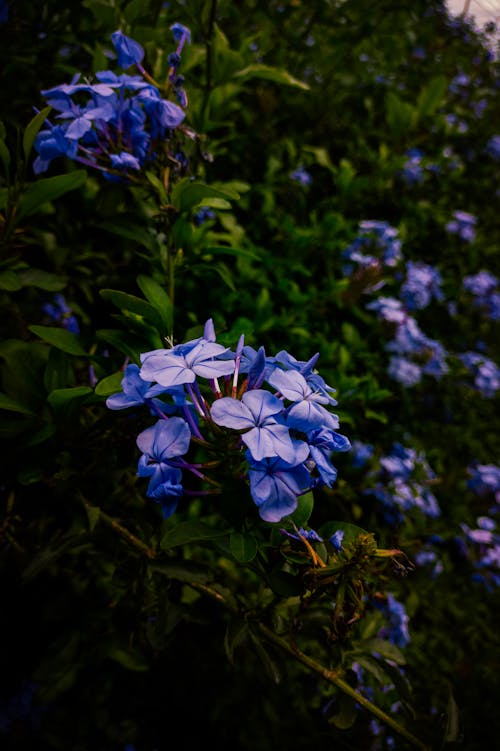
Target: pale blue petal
x=231, y=413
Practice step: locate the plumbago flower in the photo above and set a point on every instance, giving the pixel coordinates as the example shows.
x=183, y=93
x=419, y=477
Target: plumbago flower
x=120, y=122
x=264, y=421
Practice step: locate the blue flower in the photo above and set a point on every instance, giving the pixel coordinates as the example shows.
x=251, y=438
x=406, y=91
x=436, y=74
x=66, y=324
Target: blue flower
x=161, y=445
x=336, y=539
x=170, y=369
x=60, y=312
x=322, y=442
x=129, y=51
x=275, y=486
x=180, y=32
x=135, y=392
x=307, y=412
x=259, y=413
x=301, y=176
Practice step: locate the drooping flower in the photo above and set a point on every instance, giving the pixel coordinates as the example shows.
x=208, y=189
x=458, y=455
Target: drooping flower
x=260, y=414
x=128, y=50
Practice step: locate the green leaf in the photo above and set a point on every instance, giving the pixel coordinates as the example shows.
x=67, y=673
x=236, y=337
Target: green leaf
x=60, y=338
x=400, y=115
x=189, y=532
x=346, y=715
x=431, y=96
x=305, y=505
x=134, y=304
x=10, y=281
x=60, y=398
x=129, y=659
x=110, y=385
x=158, y=186
x=269, y=664
x=48, y=189
x=374, y=415
x=267, y=72
x=12, y=406
x=131, y=231
x=93, y=514
x=31, y=131
x=5, y=157
x=243, y=546
x=284, y=584
x=452, y=733
x=385, y=649
x=187, y=194
x=224, y=274
x=122, y=341
x=158, y=298
x=42, y=279
x=236, y=633
x=226, y=250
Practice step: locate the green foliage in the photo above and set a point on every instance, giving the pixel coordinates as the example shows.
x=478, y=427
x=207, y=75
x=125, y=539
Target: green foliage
x=120, y=627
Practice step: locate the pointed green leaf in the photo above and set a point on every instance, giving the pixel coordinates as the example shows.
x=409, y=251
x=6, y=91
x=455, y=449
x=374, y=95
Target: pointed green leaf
x=267, y=72
x=134, y=304
x=452, y=733
x=227, y=250
x=224, y=274
x=60, y=398
x=9, y=404
x=187, y=194
x=42, y=279
x=131, y=231
x=129, y=659
x=32, y=129
x=93, y=514
x=48, y=189
x=10, y=281
x=431, y=96
x=386, y=649
x=305, y=505
x=109, y=385
x=236, y=633
x=266, y=659
x=158, y=298
x=60, y=338
x=5, y=157
x=189, y=532
x=243, y=546
x=123, y=341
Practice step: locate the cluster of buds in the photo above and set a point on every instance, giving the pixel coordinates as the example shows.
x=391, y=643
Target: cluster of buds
x=119, y=123
x=263, y=421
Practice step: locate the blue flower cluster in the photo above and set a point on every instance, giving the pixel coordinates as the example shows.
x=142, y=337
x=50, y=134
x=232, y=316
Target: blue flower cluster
x=379, y=238
x=417, y=166
x=484, y=287
x=396, y=629
x=280, y=439
x=463, y=224
x=485, y=372
x=482, y=548
x=402, y=484
x=116, y=123
x=415, y=354
x=484, y=479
